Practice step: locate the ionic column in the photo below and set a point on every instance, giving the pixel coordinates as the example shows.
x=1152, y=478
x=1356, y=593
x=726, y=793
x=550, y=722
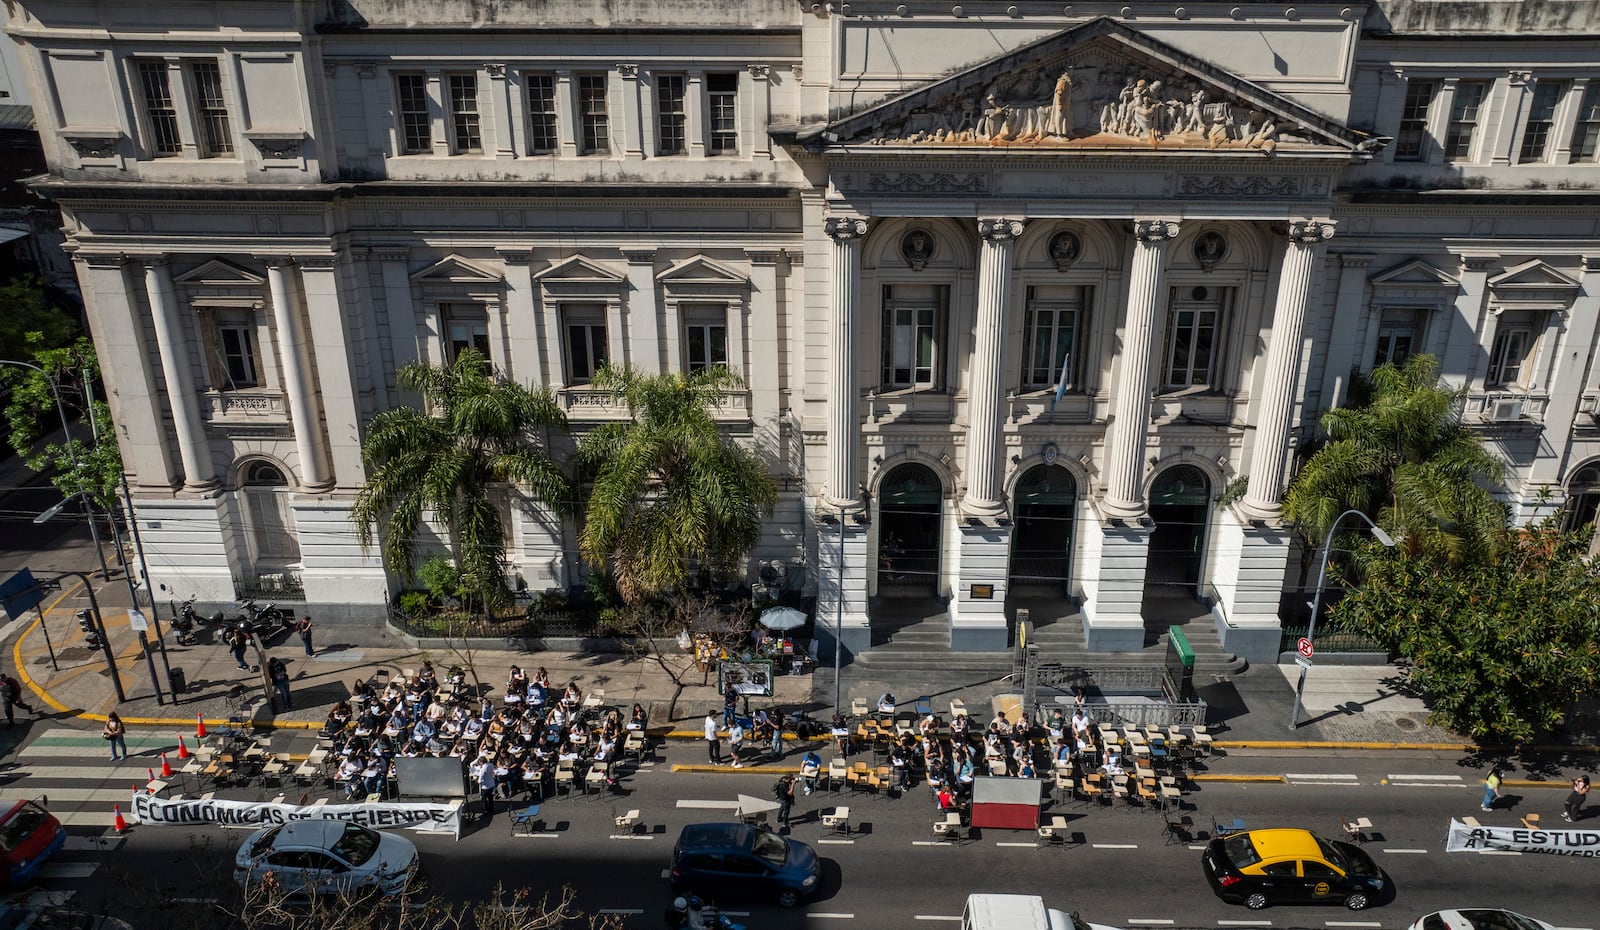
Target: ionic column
x=193, y=449
x=1264, y=496
x=1125, y=448
x=297, y=375
x=983, y=396
x=843, y=300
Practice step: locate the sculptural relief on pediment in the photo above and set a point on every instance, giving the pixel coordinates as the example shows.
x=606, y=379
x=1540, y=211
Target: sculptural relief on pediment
x=1086, y=101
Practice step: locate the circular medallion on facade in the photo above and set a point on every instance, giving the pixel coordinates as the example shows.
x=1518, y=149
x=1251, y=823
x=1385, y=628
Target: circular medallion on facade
x=1210, y=249
x=917, y=247
x=1065, y=247
x=1051, y=453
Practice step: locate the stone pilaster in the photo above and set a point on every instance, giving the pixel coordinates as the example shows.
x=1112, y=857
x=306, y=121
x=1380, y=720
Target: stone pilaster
x=843, y=306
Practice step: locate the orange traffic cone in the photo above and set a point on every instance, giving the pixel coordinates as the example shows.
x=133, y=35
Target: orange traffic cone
x=122, y=823
x=199, y=727
x=166, y=767
x=150, y=774
x=183, y=751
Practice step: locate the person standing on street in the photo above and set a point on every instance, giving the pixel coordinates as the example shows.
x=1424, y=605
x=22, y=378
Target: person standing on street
x=304, y=629
x=730, y=704
x=713, y=744
x=736, y=742
x=237, y=640
x=1491, y=789
x=279, y=673
x=484, y=773
x=13, y=696
x=783, y=791
x=1579, y=794
x=116, y=734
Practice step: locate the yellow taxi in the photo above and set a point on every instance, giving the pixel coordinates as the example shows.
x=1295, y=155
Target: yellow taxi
x=1287, y=866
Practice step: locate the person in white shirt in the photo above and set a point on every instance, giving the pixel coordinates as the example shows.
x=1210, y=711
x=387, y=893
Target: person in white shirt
x=713, y=744
x=484, y=773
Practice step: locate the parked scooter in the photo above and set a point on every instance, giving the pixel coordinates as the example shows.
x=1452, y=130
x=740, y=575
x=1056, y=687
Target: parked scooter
x=264, y=622
x=690, y=913
x=193, y=628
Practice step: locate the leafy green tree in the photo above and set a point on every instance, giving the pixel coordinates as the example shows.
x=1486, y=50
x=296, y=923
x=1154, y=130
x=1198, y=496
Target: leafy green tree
x=28, y=321
x=1403, y=455
x=81, y=464
x=1502, y=649
x=477, y=430
x=670, y=490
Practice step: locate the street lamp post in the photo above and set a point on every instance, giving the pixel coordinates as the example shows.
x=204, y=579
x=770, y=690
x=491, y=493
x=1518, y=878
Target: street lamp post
x=1316, y=603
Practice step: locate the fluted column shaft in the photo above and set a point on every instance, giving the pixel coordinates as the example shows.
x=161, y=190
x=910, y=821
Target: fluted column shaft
x=1264, y=496
x=193, y=449
x=1125, y=450
x=843, y=302
x=983, y=498
x=303, y=406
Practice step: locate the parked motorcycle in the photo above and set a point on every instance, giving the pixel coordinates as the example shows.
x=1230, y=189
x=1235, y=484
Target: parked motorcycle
x=266, y=621
x=690, y=913
x=193, y=628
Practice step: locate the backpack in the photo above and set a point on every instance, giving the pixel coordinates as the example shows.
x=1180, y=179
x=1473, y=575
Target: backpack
x=778, y=789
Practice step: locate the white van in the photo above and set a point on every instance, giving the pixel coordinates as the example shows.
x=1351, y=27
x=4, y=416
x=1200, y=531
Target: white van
x=1018, y=912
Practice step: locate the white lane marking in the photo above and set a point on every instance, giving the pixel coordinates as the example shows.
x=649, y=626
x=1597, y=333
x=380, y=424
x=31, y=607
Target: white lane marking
x=1353, y=923
x=937, y=917
x=1149, y=921
x=620, y=910
x=1203, y=846
x=931, y=843
x=545, y=836
x=826, y=916
x=1320, y=776
x=1116, y=845
x=1438, y=778
x=1499, y=852
x=68, y=869
x=632, y=836
x=1022, y=845
x=1414, y=852
x=1244, y=923
x=709, y=805
x=836, y=842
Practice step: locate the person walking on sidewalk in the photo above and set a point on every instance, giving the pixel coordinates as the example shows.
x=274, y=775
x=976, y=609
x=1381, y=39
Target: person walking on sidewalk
x=1579, y=794
x=116, y=734
x=783, y=792
x=279, y=673
x=237, y=641
x=736, y=742
x=713, y=744
x=304, y=629
x=1491, y=789
x=12, y=689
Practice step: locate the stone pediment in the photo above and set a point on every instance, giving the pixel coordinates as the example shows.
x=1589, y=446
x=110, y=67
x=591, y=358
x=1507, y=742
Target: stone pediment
x=453, y=269
x=1534, y=275
x=579, y=270
x=1098, y=87
x=700, y=270
x=1415, y=273
x=218, y=273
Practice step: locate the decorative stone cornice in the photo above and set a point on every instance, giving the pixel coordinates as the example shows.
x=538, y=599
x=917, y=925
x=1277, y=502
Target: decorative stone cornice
x=316, y=262
x=1310, y=232
x=760, y=72
x=845, y=228
x=1479, y=263
x=390, y=253
x=1000, y=230
x=629, y=72
x=366, y=69
x=640, y=256
x=495, y=70
x=762, y=256
x=1355, y=259
x=102, y=259
x=515, y=256
x=1156, y=231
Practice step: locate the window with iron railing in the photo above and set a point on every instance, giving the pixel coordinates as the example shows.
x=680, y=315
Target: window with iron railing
x=160, y=114
x=211, y=110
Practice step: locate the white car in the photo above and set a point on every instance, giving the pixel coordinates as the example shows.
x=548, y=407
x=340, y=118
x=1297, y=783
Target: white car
x=1479, y=918
x=326, y=856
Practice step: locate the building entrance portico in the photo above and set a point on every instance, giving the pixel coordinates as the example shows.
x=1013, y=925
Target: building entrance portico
x=1045, y=504
x=910, y=509
x=1180, y=507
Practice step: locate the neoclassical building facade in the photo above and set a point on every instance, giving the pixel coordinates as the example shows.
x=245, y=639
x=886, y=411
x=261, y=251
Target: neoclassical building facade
x=1024, y=296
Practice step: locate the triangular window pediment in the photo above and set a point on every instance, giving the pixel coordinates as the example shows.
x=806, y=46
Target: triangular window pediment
x=700, y=270
x=453, y=269
x=1096, y=88
x=219, y=273
x=579, y=270
x=1532, y=275
x=1415, y=273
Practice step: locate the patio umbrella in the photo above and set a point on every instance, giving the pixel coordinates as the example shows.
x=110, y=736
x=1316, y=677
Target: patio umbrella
x=782, y=618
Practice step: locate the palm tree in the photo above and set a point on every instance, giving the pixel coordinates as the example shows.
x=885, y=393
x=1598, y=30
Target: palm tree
x=476, y=430
x=1403, y=456
x=670, y=490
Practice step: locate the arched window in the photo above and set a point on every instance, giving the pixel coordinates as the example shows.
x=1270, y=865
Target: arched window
x=270, y=525
x=1583, y=504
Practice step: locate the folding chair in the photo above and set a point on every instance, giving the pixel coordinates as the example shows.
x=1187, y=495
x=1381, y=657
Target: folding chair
x=1180, y=830
x=524, y=819
x=837, y=820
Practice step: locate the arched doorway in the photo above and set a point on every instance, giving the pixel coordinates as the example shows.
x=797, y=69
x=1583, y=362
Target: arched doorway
x=1583, y=505
x=1044, y=504
x=266, y=506
x=910, y=502
x=1180, y=503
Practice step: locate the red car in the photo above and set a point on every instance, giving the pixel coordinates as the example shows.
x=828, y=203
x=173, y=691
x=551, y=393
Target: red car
x=29, y=835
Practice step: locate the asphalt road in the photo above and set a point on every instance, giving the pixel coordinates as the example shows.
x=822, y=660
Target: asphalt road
x=890, y=874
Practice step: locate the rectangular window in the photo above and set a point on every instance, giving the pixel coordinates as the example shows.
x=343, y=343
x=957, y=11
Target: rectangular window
x=722, y=104
x=1413, y=130
x=1463, y=120
x=467, y=327
x=1541, y=119
x=705, y=338
x=595, y=127
x=913, y=335
x=1586, y=131
x=155, y=84
x=541, y=91
x=1508, y=359
x=238, y=354
x=1052, y=343
x=586, y=343
x=670, y=115
x=1397, y=338
x=1192, y=336
x=416, y=126
x=465, y=133
x=211, y=110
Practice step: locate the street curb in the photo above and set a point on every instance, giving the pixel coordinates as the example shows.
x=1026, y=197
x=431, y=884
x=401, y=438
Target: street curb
x=1424, y=747
x=709, y=769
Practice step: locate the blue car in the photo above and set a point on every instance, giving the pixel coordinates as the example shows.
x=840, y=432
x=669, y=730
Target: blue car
x=725, y=860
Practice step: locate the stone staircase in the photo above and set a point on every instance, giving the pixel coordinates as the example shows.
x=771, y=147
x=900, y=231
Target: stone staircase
x=914, y=635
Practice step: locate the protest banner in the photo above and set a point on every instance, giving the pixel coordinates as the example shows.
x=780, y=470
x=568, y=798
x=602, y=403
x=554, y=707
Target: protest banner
x=424, y=817
x=1579, y=843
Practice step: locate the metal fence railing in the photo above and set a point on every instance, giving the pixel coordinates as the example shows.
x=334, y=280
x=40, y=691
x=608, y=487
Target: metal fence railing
x=1333, y=641
x=279, y=586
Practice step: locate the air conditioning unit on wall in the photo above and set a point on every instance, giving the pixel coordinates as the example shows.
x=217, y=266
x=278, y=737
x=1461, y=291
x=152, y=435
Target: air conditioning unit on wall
x=1502, y=411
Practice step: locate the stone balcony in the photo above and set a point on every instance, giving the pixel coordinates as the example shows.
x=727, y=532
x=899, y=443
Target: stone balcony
x=1506, y=409
x=589, y=406
x=249, y=407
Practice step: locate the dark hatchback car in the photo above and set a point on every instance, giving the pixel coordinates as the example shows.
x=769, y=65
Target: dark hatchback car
x=726, y=860
x=1265, y=867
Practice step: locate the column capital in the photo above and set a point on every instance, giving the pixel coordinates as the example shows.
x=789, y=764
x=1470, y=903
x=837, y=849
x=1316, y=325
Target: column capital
x=515, y=256
x=629, y=71
x=763, y=256
x=1310, y=232
x=1156, y=232
x=844, y=229
x=275, y=261
x=640, y=256
x=760, y=72
x=1000, y=229
x=316, y=262
x=147, y=259
x=1478, y=262
x=496, y=70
